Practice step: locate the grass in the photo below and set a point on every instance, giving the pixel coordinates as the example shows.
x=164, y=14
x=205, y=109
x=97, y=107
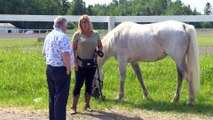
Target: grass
x=23, y=84
x=18, y=43
x=205, y=39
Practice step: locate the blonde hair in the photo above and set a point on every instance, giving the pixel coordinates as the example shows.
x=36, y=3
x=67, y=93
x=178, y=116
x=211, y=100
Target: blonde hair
x=84, y=17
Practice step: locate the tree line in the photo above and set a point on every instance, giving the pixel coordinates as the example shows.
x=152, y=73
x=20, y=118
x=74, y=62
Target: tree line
x=115, y=8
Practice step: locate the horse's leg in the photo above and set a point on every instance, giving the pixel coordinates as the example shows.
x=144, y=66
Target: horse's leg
x=191, y=93
x=182, y=71
x=180, y=80
x=122, y=68
x=137, y=70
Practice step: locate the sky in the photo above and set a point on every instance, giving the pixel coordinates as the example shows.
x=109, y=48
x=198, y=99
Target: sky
x=198, y=4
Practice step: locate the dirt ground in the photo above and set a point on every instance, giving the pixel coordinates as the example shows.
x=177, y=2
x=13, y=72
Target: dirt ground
x=115, y=114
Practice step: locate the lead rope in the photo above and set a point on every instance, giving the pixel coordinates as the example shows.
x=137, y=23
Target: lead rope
x=101, y=85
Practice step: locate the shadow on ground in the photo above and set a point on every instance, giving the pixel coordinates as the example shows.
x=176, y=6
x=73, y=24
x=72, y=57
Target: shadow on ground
x=108, y=116
x=165, y=106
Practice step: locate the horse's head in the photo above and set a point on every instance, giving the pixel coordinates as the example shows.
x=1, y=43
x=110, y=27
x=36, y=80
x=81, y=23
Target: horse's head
x=97, y=84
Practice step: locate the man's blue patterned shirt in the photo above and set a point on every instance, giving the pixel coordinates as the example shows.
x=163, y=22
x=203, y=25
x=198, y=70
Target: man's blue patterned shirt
x=56, y=43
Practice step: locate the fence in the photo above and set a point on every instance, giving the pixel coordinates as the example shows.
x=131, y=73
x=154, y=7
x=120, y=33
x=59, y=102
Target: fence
x=111, y=20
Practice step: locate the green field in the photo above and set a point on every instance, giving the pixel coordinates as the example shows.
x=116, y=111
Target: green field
x=23, y=84
x=205, y=39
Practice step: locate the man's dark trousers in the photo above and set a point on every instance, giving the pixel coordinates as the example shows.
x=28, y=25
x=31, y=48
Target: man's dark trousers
x=58, y=85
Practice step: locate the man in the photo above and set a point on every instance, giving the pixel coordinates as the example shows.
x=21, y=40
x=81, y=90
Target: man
x=59, y=59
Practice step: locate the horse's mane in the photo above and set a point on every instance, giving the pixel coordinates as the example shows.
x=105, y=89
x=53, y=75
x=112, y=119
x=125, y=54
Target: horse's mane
x=111, y=37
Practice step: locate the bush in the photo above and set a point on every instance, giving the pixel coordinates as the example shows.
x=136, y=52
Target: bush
x=206, y=25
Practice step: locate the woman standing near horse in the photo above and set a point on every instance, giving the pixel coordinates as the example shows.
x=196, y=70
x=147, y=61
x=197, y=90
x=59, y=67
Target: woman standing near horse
x=85, y=41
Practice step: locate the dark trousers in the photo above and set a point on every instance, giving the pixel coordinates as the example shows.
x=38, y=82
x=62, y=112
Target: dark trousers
x=58, y=86
x=83, y=74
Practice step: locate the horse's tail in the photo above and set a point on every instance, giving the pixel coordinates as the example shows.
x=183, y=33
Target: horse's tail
x=193, y=60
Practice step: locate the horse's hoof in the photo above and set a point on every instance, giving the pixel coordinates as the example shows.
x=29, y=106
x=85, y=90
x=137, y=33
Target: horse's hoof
x=145, y=94
x=119, y=97
x=175, y=100
x=145, y=97
x=190, y=104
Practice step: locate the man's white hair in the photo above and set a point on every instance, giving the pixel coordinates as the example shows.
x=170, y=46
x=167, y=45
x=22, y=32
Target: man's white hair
x=59, y=20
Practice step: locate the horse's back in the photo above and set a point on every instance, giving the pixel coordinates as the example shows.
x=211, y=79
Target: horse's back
x=148, y=42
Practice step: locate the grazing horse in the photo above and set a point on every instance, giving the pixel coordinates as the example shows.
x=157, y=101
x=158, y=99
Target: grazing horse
x=130, y=42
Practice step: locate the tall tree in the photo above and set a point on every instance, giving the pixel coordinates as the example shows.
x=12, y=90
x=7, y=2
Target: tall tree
x=165, y=4
x=65, y=6
x=31, y=7
x=123, y=8
x=34, y=7
x=77, y=7
x=208, y=9
x=178, y=8
x=89, y=10
x=139, y=7
x=158, y=6
x=113, y=8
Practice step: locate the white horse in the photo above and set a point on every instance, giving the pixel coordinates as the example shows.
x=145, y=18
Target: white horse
x=130, y=42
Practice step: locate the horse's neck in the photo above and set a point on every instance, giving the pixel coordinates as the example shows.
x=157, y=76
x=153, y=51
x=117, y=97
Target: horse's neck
x=101, y=61
x=107, y=50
